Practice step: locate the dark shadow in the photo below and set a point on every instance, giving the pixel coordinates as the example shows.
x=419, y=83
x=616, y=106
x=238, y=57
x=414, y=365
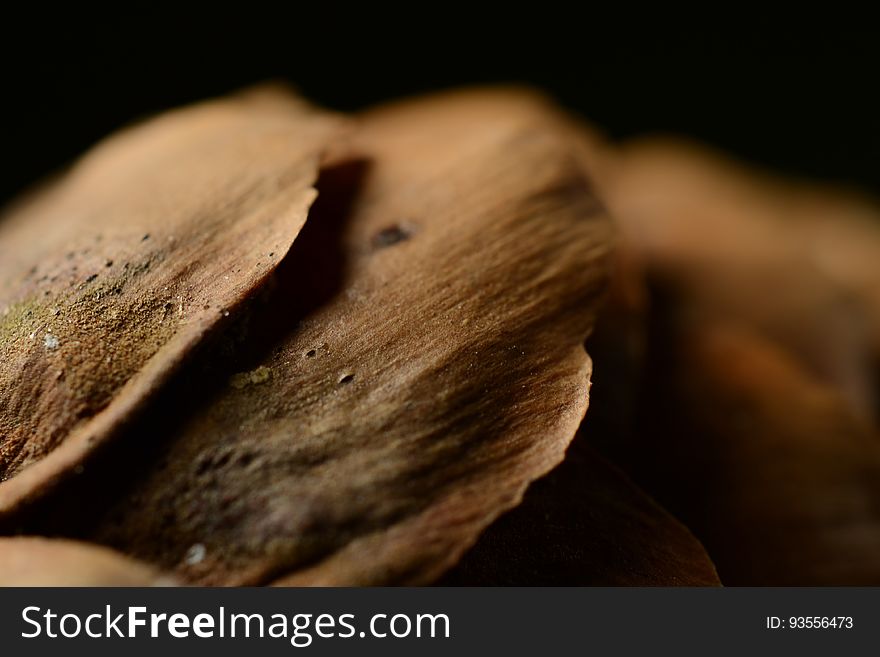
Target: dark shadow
x=315, y=268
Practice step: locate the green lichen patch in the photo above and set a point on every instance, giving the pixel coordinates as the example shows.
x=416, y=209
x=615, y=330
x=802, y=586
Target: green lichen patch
x=253, y=378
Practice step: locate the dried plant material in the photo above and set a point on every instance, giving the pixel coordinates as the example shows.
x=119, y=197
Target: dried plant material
x=757, y=413
x=788, y=480
x=585, y=524
x=670, y=193
x=420, y=362
x=843, y=234
x=110, y=276
x=796, y=262
x=30, y=561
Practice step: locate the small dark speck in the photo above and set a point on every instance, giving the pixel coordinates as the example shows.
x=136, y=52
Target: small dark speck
x=108, y=263
x=70, y=255
x=345, y=380
x=203, y=465
x=390, y=236
x=311, y=353
x=91, y=278
x=271, y=253
x=145, y=237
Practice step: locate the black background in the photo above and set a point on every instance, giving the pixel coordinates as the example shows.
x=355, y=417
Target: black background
x=801, y=100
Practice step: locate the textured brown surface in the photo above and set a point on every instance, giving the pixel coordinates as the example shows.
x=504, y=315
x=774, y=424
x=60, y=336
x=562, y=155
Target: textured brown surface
x=585, y=524
x=29, y=561
x=111, y=275
x=757, y=414
x=419, y=362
